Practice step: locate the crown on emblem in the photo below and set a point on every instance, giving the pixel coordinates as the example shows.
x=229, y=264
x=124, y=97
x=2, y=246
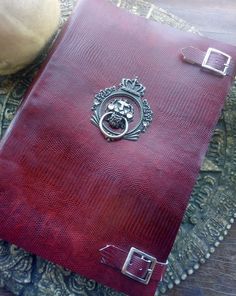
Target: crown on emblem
x=133, y=86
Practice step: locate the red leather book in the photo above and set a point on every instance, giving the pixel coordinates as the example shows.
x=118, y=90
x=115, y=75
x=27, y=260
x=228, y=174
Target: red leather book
x=98, y=165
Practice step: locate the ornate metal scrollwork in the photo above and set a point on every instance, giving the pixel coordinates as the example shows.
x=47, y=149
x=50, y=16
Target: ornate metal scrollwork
x=122, y=112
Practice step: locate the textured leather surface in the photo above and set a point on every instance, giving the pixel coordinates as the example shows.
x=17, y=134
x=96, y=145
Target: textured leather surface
x=71, y=191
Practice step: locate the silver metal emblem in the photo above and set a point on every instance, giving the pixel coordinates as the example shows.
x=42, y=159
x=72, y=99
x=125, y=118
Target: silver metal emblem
x=122, y=113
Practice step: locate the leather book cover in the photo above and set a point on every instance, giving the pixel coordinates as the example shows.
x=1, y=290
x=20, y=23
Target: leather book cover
x=98, y=165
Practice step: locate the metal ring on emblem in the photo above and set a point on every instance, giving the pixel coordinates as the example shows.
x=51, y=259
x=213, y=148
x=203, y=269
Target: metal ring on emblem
x=122, y=113
x=109, y=134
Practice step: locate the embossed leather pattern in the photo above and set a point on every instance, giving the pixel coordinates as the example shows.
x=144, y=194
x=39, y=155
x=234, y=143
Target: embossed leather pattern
x=71, y=191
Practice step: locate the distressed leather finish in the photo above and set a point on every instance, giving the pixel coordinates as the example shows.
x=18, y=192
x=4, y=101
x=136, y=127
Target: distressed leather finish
x=72, y=193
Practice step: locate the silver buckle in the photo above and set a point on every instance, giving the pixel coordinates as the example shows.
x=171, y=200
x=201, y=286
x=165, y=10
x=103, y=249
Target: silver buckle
x=207, y=56
x=143, y=256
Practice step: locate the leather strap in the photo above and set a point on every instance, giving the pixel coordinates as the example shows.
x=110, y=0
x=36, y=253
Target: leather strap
x=216, y=59
x=138, y=266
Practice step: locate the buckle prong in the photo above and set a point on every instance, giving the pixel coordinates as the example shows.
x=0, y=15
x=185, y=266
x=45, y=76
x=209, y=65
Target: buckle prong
x=146, y=257
x=217, y=71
